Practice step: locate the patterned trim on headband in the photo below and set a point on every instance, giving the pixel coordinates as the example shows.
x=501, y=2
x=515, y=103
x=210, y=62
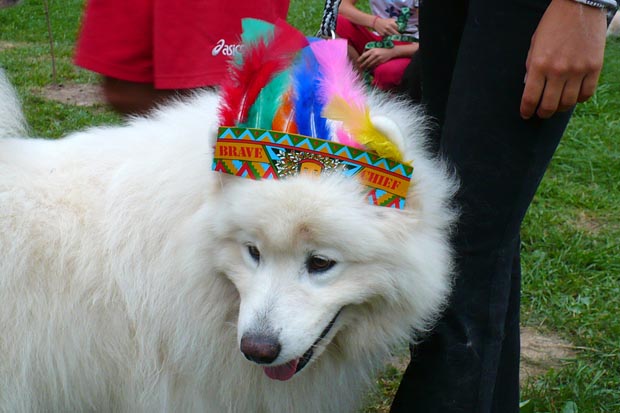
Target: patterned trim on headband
x=263, y=154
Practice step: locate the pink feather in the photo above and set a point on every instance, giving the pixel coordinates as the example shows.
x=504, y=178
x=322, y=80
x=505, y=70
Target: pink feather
x=338, y=78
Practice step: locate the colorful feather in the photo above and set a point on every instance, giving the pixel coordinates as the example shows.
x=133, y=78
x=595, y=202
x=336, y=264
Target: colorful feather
x=284, y=119
x=338, y=78
x=308, y=104
x=269, y=99
x=264, y=108
x=357, y=122
x=254, y=29
x=260, y=62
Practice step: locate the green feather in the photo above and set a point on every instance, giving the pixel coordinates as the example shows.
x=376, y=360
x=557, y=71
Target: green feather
x=268, y=101
x=263, y=111
x=253, y=29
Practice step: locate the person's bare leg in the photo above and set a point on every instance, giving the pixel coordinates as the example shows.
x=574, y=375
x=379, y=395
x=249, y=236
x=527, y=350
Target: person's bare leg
x=133, y=98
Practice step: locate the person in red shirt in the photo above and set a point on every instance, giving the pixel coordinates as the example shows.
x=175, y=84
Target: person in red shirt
x=150, y=50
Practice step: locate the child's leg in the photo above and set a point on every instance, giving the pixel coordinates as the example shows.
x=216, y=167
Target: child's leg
x=356, y=35
x=388, y=75
x=134, y=98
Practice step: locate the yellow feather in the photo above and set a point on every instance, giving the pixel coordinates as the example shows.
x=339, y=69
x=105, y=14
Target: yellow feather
x=357, y=122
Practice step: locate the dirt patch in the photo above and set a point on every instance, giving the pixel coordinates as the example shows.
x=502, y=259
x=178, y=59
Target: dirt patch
x=10, y=45
x=542, y=352
x=587, y=223
x=73, y=94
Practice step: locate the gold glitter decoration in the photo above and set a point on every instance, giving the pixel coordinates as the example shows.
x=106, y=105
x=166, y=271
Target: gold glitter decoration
x=293, y=163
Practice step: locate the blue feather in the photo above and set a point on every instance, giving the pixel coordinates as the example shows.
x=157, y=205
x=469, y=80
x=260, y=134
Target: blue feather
x=308, y=106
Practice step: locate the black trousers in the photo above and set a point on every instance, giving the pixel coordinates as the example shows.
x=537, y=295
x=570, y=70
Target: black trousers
x=473, y=66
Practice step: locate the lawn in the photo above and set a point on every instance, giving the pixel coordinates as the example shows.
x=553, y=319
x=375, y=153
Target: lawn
x=571, y=247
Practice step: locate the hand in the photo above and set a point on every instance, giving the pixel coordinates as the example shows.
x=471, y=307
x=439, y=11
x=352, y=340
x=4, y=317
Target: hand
x=385, y=27
x=372, y=58
x=565, y=58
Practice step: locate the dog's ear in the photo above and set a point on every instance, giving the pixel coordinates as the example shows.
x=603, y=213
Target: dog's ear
x=390, y=129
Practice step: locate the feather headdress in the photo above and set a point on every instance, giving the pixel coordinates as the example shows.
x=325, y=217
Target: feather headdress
x=284, y=99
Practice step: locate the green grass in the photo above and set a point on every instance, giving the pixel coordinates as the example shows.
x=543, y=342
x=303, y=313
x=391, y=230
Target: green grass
x=25, y=55
x=571, y=255
x=571, y=247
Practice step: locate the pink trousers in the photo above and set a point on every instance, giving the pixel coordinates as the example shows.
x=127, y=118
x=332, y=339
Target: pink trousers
x=388, y=75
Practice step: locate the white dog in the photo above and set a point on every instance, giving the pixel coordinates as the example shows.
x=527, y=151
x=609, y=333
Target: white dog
x=133, y=278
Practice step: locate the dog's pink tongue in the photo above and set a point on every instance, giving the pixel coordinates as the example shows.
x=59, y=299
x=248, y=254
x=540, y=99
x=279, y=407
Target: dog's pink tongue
x=282, y=372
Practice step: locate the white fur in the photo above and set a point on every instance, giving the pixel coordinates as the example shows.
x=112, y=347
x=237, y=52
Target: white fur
x=12, y=121
x=125, y=280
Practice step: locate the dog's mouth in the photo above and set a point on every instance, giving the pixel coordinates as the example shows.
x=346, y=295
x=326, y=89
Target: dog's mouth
x=285, y=371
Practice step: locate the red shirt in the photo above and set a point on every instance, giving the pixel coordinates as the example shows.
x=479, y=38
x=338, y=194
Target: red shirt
x=175, y=45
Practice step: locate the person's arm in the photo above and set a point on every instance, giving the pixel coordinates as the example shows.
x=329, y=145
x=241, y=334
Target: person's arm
x=374, y=57
x=382, y=26
x=565, y=58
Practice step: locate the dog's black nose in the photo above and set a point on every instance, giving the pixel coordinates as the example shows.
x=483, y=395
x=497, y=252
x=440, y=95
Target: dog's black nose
x=260, y=348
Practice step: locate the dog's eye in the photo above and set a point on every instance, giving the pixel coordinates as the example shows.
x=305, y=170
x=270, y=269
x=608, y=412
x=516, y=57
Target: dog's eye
x=254, y=252
x=318, y=263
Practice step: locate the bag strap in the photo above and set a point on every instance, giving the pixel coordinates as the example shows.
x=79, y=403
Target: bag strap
x=328, y=23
